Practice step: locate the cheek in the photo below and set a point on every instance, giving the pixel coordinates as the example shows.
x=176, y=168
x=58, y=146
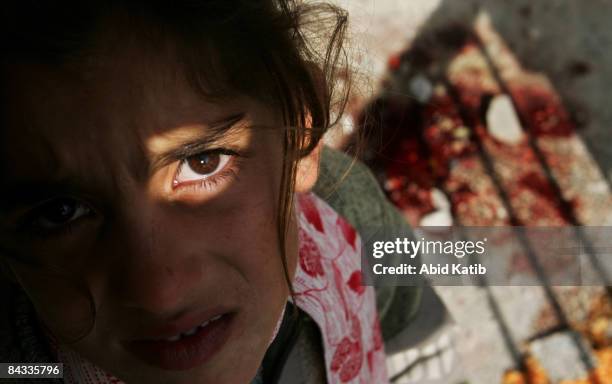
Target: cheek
x=64, y=304
x=242, y=230
x=243, y=237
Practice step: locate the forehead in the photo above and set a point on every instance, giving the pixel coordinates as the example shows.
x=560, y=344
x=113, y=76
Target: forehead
x=100, y=111
x=127, y=89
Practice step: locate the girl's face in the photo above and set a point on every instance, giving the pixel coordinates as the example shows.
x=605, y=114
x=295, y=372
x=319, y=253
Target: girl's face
x=124, y=178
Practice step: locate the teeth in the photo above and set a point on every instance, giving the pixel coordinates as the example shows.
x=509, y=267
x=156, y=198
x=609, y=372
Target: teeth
x=209, y=321
x=194, y=330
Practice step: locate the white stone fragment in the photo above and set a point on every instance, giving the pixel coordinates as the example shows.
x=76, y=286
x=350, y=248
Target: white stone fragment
x=439, y=218
x=439, y=199
x=421, y=88
x=503, y=122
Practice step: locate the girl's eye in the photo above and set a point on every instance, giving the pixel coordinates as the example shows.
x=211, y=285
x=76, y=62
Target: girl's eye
x=58, y=213
x=200, y=167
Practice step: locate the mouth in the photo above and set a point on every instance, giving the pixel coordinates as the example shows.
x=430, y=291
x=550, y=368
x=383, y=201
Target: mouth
x=177, y=351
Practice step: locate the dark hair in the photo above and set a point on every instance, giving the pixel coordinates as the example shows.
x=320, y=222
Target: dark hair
x=293, y=52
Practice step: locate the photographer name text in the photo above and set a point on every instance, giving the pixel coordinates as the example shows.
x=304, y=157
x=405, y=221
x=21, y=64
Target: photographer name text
x=430, y=269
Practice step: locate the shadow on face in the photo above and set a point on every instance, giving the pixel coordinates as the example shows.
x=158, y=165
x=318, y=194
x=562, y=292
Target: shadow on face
x=162, y=203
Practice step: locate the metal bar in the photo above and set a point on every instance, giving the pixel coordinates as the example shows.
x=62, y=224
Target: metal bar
x=488, y=162
x=533, y=145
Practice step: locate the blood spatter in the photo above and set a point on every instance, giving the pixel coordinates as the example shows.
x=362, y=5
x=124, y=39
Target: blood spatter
x=540, y=186
x=542, y=111
x=394, y=62
x=418, y=147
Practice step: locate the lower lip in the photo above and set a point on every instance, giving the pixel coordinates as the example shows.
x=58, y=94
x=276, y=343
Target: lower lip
x=188, y=352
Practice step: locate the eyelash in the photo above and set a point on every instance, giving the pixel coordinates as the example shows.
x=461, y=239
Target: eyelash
x=29, y=225
x=230, y=170
x=211, y=182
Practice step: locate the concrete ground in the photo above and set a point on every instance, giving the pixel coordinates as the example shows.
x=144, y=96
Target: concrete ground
x=569, y=42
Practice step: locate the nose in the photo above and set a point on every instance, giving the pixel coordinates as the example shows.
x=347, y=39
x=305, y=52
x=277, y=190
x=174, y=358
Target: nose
x=154, y=269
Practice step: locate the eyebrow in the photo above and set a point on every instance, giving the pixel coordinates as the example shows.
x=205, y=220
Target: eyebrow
x=199, y=142
x=30, y=192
